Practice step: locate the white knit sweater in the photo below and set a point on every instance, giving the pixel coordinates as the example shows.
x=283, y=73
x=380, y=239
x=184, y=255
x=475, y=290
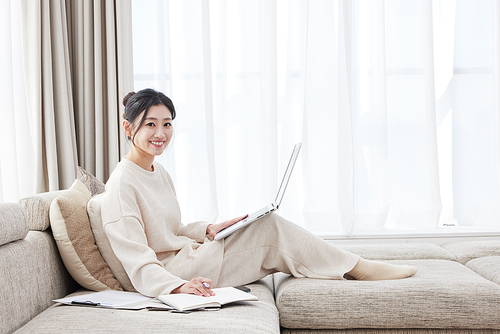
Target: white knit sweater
x=142, y=219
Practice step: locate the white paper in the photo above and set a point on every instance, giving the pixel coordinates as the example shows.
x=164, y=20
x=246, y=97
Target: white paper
x=111, y=299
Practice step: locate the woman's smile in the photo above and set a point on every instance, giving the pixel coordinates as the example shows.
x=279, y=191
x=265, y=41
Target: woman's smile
x=157, y=144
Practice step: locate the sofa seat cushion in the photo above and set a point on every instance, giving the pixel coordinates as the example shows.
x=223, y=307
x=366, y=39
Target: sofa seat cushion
x=488, y=267
x=443, y=294
x=400, y=251
x=245, y=317
x=390, y=331
x=469, y=250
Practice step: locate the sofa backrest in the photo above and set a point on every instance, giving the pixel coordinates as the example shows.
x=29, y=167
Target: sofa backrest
x=32, y=273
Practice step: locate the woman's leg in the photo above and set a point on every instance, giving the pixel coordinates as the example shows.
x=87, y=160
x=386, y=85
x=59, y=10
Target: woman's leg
x=366, y=270
x=274, y=244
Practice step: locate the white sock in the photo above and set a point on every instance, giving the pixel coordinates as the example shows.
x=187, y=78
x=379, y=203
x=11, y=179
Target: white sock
x=366, y=270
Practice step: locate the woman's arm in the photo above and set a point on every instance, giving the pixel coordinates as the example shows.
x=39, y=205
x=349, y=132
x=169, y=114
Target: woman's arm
x=146, y=272
x=196, y=231
x=213, y=229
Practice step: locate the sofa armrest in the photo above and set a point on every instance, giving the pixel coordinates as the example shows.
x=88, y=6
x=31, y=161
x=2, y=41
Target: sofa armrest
x=37, y=208
x=32, y=276
x=13, y=223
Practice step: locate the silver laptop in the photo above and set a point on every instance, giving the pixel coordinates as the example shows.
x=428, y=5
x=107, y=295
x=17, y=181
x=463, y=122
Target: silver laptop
x=269, y=208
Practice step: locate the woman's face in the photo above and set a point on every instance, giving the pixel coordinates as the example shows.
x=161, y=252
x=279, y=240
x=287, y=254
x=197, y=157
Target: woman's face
x=153, y=136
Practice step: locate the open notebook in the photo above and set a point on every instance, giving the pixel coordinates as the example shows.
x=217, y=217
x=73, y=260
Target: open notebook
x=187, y=302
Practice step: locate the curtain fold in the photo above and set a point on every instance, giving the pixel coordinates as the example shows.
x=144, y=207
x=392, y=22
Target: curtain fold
x=496, y=70
x=102, y=75
x=46, y=56
x=76, y=77
x=16, y=152
x=345, y=140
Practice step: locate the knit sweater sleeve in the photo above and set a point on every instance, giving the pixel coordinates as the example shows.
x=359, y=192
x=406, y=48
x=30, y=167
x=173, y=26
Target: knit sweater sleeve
x=196, y=231
x=146, y=272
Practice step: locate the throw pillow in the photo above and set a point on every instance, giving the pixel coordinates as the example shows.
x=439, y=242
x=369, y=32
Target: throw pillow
x=75, y=241
x=90, y=181
x=102, y=241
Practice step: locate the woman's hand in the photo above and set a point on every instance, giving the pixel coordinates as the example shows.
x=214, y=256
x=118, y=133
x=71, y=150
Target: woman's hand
x=213, y=229
x=197, y=286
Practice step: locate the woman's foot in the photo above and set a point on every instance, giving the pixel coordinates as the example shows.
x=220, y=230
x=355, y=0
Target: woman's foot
x=366, y=270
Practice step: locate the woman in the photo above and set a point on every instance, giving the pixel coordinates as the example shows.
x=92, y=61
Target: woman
x=142, y=220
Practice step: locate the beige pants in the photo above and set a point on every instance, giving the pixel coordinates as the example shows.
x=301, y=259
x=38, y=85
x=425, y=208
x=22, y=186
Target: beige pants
x=273, y=244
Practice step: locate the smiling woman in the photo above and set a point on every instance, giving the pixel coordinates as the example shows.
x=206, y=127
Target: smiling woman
x=160, y=254
x=149, y=130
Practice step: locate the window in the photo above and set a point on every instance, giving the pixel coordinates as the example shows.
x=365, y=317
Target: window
x=396, y=104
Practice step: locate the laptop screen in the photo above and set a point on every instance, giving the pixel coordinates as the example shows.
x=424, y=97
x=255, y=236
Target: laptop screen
x=288, y=173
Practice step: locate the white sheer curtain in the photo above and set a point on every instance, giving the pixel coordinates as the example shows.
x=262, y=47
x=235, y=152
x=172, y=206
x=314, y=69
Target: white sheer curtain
x=17, y=162
x=397, y=104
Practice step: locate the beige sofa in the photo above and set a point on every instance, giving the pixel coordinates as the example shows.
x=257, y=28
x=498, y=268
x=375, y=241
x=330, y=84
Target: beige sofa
x=457, y=290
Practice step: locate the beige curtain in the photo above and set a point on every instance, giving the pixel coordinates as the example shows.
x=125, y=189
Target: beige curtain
x=78, y=64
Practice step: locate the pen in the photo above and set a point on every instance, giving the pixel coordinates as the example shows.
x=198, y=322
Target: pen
x=84, y=302
x=89, y=303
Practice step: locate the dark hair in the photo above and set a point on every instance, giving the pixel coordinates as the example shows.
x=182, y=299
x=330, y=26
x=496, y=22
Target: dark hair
x=136, y=103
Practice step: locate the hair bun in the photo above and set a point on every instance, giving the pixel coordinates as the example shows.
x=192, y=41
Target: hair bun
x=127, y=97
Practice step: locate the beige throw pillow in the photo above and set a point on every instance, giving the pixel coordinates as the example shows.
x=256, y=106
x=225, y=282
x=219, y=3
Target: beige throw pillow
x=94, y=185
x=75, y=241
x=102, y=241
